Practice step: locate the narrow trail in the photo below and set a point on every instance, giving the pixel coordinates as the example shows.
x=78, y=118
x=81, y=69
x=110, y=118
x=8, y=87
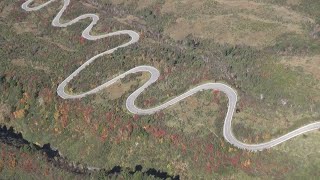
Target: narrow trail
x=130, y=102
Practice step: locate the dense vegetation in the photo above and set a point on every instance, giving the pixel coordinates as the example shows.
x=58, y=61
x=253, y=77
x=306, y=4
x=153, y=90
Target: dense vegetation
x=185, y=140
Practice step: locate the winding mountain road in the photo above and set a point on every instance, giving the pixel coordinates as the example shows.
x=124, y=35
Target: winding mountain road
x=130, y=102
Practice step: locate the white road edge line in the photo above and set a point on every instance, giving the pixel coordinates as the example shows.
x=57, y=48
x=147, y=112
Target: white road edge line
x=231, y=93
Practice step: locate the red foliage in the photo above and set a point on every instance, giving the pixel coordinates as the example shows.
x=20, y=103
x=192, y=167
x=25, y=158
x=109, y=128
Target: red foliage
x=46, y=95
x=146, y=102
x=161, y=77
x=129, y=128
x=82, y=40
x=235, y=160
x=215, y=91
x=208, y=167
x=169, y=70
x=205, y=76
x=109, y=116
x=124, y=132
x=175, y=139
x=159, y=133
x=104, y=135
x=209, y=148
x=28, y=165
x=159, y=115
x=112, y=121
x=195, y=81
x=184, y=148
x=64, y=111
x=156, y=132
x=216, y=94
x=87, y=112
x=136, y=117
x=47, y=172
x=149, y=102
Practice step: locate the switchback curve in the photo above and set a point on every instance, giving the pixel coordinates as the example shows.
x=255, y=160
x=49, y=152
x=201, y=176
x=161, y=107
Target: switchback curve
x=130, y=102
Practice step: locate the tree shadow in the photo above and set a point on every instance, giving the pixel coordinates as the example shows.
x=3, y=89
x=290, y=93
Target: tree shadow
x=12, y=138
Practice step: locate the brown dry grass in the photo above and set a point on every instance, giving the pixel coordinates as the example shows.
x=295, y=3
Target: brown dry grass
x=21, y=62
x=145, y=3
x=119, y=88
x=5, y=11
x=269, y=125
x=61, y=46
x=130, y=19
x=186, y=116
x=171, y=6
x=24, y=27
x=294, y=2
x=247, y=22
x=228, y=29
x=310, y=64
x=233, y=21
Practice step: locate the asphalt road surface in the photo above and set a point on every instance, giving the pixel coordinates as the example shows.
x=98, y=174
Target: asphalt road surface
x=130, y=102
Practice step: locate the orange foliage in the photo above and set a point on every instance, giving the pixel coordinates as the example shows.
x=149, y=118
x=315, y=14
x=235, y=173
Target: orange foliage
x=64, y=113
x=246, y=163
x=12, y=161
x=19, y=114
x=25, y=98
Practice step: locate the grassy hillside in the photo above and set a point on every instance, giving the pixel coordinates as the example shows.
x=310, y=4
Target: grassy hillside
x=267, y=50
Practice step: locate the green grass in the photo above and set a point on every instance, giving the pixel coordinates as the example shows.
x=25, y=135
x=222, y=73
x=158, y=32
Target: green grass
x=193, y=61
